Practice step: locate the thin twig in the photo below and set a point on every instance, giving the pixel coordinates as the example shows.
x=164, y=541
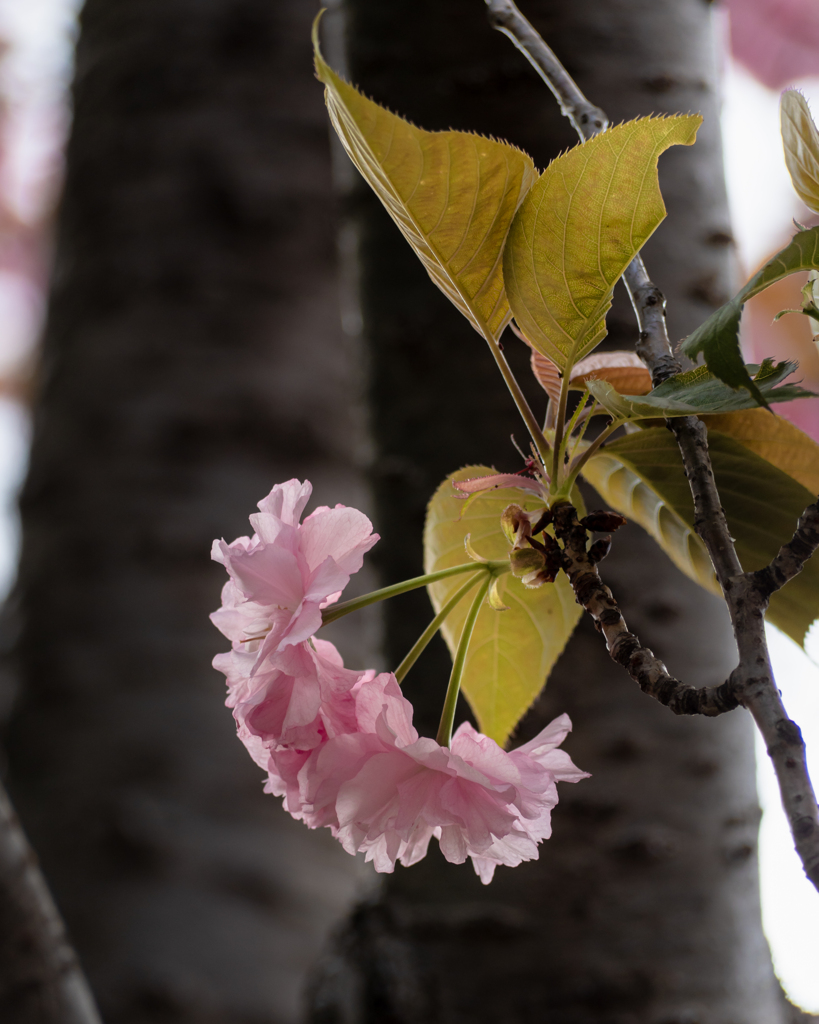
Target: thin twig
x=746, y=594
x=586, y=118
x=532, y=425
x=624, y=647
x=581, y=460
x=792, y=556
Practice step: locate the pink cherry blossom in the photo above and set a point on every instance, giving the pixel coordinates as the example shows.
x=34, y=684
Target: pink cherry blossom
x=385, y=791
x=300, y=700
x=282, y=576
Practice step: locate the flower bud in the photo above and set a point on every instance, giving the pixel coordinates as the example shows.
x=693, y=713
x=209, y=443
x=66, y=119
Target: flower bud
x=543, y=521
x=525, y=561
x=603, y=522
x=515, y=525
x=599, y=550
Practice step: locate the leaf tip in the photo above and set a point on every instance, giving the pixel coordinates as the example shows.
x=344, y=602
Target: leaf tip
x=314, y=35
x=494, y=599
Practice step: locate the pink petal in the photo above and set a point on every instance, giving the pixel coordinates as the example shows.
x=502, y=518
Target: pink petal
x=495, y=480
x=270, y=575
x=325, y=579
x=370, y=799
x=548, y=738
x=271, y=530
x=416, y=846
x=382, y=696
x=343, y=534
x=484, y=869
x=287, y=501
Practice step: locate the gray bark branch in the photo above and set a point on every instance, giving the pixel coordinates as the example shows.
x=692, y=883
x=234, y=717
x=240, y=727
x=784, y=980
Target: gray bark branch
x=41, y=981
x=586, y=118
x=624, y=646
x=752, y=680
x=792, y=556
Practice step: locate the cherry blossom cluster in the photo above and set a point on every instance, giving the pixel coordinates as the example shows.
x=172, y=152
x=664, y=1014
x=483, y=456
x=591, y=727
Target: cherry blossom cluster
x=339, y=745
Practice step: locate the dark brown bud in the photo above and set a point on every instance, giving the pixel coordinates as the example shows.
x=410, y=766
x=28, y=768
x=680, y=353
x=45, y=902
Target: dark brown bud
x=547, y=543
x=543, y=522
x=603, y=522
x=548, y=574
x=600, y=548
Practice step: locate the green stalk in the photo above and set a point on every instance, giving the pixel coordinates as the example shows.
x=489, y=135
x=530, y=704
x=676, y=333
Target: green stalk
x=525, y=411
x=444, y=736
x=580, y=462
x=420, y=644
x=581, y=405
x=560, y=425
x=335, y=611
x=584, y=424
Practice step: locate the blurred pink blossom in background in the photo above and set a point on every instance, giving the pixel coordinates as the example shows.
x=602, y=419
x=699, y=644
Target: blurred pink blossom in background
x=776, y=40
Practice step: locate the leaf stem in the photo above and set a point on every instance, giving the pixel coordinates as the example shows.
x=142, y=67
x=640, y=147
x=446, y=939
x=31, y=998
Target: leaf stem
x=560, y=424
x=583, y=422
x=335, y=611
x=444, y=736
x=420, y=644
x=581, y=405
x=581, y=461
x=524, y=409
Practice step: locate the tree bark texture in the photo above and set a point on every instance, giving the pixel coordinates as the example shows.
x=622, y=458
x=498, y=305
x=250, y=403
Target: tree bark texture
x=41, y=981
x=193, y=356
x=643, y=907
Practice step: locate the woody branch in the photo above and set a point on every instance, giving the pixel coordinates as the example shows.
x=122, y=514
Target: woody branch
x=752, y=683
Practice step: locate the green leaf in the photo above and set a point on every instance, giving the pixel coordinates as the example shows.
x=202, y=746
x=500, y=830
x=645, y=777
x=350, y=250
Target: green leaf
x=801, y=142
x=698, y=392
x=641, y=476
x=718, y=338
x=512, y=652
x=452, y=194
x=580, y=226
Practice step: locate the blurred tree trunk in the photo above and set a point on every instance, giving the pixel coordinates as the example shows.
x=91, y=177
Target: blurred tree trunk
x=193, y=357
x=643, y=907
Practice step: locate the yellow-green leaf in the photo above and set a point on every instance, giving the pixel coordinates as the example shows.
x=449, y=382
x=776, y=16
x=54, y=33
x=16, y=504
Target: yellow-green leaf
x=581, y=224
x=641, y=475
x=652, y=496
x=776, y=440
x=513, y=651
x=801, y=142
x=452, y=194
